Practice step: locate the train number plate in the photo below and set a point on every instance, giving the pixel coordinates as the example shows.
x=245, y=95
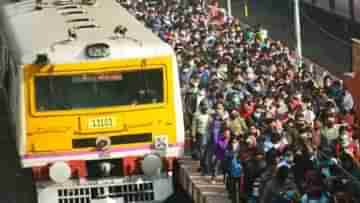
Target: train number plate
x=101, y=122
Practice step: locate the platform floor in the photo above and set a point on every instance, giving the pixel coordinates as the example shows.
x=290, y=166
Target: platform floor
x=198, y=187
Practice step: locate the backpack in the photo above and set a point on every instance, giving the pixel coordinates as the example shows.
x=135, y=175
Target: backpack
x=323, y=199
x=283, y=197
x=235, y=168
x=287, y=193
x=229, y=155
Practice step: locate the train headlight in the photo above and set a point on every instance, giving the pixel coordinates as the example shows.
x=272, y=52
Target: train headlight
x=60, y=172
x=105, y=168
x=151, y=165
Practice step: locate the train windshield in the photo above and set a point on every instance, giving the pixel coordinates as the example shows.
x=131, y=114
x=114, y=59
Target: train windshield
x=92, y=90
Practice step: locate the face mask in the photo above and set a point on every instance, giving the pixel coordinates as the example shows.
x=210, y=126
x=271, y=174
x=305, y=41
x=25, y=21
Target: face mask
x=223, y=68
x=289, y=159
x=235, y=145
x=257, y=88
x=236, y=100
x=262, y=164
x=257, y=115
x=331, y=120
x=268, y=103
x=192, y=63
x=278, y=130
x=228, y=86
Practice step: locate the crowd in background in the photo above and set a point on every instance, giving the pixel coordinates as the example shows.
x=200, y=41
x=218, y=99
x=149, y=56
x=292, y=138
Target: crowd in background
x=256, y=115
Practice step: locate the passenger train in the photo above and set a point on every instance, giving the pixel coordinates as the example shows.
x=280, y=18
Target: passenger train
x=94, y=98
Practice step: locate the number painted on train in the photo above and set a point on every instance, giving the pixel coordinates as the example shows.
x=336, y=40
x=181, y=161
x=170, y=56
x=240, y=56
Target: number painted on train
x=101, y=122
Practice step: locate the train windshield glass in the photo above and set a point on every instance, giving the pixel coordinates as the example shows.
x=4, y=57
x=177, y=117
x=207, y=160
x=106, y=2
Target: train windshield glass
x=93, y=90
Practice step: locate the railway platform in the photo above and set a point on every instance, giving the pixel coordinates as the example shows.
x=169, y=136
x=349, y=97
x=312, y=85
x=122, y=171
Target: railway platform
x=198, y=187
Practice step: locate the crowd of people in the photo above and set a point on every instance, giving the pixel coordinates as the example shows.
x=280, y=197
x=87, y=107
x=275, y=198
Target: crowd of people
x=255, y=114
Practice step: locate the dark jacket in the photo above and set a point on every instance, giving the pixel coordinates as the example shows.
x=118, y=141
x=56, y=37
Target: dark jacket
x=275, y=192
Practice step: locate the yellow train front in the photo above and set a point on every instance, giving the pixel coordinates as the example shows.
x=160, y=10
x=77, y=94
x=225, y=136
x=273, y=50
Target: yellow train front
x=98, y=112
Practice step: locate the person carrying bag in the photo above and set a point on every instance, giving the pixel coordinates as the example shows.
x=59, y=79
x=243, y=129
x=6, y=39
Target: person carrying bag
x=236, y=179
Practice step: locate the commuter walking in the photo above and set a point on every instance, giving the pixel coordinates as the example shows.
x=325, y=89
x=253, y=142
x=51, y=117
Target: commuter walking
x=236, y=179
x=200, y=135
x=275, y=105
x=280, y=188
x=218, y=161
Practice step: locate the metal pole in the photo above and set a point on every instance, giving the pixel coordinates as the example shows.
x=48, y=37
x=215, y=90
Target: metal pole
x=229, y=7
x=298, y=29
x=246, y=12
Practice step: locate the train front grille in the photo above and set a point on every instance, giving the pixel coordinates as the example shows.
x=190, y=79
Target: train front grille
x=129, y=192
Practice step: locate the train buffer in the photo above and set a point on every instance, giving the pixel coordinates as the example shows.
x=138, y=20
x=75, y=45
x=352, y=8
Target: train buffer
x=198, y=187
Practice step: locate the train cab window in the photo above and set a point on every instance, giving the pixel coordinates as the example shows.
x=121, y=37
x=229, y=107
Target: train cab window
x=92, y=90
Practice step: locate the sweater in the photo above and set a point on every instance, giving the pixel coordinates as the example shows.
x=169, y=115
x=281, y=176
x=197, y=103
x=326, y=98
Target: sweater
x=221, y=147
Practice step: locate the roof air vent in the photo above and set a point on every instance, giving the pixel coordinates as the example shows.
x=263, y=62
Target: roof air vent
x=120, y=31
x=63, y=2
x=86, y=26
x=42, y=59
x=38, y=5
x=76, y=20
x=66, y=13
x=70, y=7
x=89, y=2
x=72, y=34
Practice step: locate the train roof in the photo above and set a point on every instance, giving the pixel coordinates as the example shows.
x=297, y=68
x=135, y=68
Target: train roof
x=30, y=32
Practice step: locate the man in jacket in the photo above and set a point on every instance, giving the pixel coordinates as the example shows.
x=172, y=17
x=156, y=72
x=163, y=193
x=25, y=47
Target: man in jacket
x=278, y=188
x=200, y=134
